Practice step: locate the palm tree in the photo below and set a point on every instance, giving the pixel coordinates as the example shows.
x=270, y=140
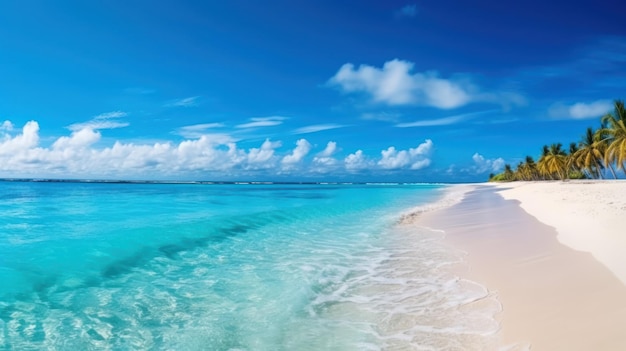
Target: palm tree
x=614, y=134
x=508, y=172
x=520, y=172
x=531, y=168
x=553, y=162
x=602, y=141
x=542, y=166
x=590, y=154
x=572, y=167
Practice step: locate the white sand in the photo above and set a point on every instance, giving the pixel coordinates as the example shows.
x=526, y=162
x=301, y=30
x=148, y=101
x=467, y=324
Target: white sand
x=588, y=216
x=553, y=297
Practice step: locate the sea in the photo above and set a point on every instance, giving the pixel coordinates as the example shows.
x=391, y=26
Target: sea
x=232, y=266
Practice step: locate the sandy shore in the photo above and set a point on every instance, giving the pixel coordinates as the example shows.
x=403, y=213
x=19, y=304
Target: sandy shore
x=554, y=296
x=588, y=216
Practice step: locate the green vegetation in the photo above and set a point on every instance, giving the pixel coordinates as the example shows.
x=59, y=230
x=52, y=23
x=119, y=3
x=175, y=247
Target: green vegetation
x=589, y=158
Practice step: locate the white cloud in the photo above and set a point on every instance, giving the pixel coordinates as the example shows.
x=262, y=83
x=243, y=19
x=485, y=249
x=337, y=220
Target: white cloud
x=483, y=165
x=330, y=149
x=6, y=126
x=82, y=154
x=302, y=149
x=432, y=122
x=184, y=102
x=98, y=125
x=581, y=110
x=317, y=128
x=102, y=121
x=263, y=157
x=76, y=155
x=196, y=130
x=323, y=160
x=443, y=121
x=357, y=161
x=109, y=115
x=78, y=140
x=262, y=122
x=394, y=84
x=25, y=141
x=414, y=158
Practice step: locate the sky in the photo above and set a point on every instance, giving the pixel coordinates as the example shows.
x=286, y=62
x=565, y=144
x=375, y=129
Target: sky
x=292, y=90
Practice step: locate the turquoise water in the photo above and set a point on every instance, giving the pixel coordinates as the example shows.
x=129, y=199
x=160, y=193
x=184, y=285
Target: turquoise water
x=89, y=266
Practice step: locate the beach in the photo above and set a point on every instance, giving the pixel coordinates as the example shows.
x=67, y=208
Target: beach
x=552, y=253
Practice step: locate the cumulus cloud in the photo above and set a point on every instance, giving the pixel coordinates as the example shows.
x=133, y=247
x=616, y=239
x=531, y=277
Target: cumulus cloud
x=581, y=110
x=257, y=122
x=394, y=84
x=78, y=140
x=324, y=159
x=76, y=155
x=414, y=158
x=302, y=149
x=82, y=154
x=263, y=157
x=357, y=161
x=28, y=139
x=483, y=165
x=109, y=120
x=6, y=126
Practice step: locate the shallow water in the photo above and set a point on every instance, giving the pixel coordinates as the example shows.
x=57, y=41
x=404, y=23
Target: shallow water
x=230, y=267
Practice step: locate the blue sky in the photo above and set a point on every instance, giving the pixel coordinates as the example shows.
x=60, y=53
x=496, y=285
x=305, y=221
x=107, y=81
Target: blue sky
x=293, y=90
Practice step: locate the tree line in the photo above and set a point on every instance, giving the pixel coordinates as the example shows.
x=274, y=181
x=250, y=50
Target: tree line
x=598, y=151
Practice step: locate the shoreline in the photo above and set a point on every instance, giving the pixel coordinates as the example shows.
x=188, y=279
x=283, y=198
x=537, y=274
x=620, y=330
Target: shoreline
x=553, y=297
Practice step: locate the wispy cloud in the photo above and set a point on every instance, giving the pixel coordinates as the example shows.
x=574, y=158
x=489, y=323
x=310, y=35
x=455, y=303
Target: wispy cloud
x=257, y=122
x=443, y=121
x=139, y=91
x=381, y=116
x=197, y=130
x=109, y=115
x=408, y=11
x=433, y=122
x=317, y=128
x=580, y=110
x=106, y=120
x=184, y=102
x=598, y=65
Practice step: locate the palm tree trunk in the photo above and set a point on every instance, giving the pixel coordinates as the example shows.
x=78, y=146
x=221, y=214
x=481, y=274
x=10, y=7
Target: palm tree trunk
x=599, y=170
